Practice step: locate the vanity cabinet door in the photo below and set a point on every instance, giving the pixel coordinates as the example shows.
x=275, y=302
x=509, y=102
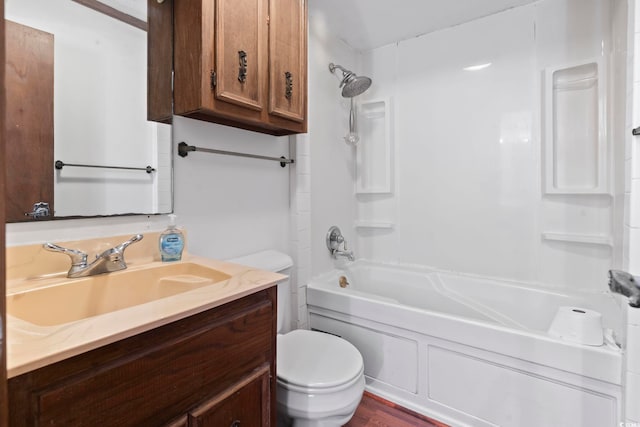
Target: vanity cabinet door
x=246, y=403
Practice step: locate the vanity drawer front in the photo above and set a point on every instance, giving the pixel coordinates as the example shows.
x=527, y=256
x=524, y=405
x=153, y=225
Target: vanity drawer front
x=246, y=403
x=152, y=378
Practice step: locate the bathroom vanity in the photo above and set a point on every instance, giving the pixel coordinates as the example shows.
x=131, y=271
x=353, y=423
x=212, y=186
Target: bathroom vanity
x=216, y=368
x=204, y=356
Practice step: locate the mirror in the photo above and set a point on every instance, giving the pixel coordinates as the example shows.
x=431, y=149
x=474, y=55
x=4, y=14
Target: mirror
x=77, y=132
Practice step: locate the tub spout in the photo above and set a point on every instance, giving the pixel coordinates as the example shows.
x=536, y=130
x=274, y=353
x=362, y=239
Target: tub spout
x=624, y=283
x=347, y=254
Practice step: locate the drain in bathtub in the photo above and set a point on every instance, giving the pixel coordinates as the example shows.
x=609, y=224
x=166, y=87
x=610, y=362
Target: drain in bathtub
x=343, y=282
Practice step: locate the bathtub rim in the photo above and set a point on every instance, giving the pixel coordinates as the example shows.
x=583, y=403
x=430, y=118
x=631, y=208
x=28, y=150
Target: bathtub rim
x=606, y=360
x=605, y=294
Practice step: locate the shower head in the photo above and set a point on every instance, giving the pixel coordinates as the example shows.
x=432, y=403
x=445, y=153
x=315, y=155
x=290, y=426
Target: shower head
x=351, y=84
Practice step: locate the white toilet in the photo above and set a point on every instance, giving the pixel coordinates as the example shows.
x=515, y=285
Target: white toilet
x=320, y=376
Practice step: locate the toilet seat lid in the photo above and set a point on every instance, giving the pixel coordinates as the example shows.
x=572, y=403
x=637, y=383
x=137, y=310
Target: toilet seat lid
x=317, y=360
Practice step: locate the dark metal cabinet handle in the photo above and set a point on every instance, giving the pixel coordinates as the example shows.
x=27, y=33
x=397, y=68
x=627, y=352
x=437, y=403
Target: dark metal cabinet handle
x=236, y=423
x=288, y=91
x=242, y=69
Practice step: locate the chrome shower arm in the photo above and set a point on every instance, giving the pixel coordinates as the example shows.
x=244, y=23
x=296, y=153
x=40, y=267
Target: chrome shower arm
x=332, y=68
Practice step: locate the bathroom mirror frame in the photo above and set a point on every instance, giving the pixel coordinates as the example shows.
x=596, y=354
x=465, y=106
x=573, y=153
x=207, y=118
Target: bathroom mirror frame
x=82, y=192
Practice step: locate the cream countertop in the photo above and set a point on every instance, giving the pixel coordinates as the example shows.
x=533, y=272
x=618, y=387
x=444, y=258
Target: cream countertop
x=32, y=346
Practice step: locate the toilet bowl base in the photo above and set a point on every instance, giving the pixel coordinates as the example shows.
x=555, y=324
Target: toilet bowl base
x=298, y=417
x=337, y=421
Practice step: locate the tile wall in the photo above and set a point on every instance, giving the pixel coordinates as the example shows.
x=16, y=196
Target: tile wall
x=631, y=246
x=300, y=205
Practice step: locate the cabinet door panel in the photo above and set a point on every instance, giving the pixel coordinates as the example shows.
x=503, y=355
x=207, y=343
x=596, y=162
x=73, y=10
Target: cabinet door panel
x=240, y=52
x=159, y=61
x=244, y=404
x=29, y=71
x=287, y=59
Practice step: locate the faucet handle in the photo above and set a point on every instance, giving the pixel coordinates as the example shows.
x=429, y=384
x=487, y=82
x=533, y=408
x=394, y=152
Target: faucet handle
x=78, y=258
x=122, y=246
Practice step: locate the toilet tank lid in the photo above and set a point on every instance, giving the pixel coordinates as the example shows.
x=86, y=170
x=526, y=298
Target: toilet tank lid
x=270, y=260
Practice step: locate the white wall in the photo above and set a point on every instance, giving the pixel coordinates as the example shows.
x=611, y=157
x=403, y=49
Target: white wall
x=231, y=206
x=468, y=149
x=78, y=229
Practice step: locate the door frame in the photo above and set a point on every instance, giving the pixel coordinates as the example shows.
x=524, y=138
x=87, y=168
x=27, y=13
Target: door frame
x=4, y=407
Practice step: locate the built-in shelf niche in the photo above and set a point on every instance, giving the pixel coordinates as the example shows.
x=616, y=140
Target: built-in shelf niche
x=591, y=239
x=374, y=224
x=575, y=152
x=373, y=153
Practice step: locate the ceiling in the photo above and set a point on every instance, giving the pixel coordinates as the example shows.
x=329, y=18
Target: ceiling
x=368, y=24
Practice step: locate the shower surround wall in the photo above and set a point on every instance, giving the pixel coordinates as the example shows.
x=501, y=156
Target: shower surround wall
x=468, y=161
x=332, y=201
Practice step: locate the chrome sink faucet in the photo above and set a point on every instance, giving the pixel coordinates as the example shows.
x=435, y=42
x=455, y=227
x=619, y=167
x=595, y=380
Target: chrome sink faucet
x=107, y=262
x=334, y=241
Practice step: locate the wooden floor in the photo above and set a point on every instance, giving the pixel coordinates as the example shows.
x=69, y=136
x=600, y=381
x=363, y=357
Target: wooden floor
x=378, y=412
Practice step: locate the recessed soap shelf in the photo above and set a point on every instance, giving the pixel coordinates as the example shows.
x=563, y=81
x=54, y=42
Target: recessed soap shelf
x=374, y=152
x=592, y=239
x=374, y=224
x=575, y=151
x=373, y=115
x=580, y=83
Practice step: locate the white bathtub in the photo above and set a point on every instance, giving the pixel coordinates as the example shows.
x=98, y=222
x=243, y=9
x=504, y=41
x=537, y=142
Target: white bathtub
x=470, y=351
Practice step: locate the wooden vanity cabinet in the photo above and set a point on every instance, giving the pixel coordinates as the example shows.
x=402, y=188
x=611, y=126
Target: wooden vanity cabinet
x=216, y=368
x=242, y=63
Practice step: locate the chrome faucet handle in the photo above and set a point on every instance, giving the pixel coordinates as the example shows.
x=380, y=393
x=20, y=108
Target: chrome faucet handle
x=334, y=239
x=122, y=246
x=117, y=253
x=78, y=258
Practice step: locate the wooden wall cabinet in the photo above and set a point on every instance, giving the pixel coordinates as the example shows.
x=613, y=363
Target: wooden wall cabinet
x=242, y=63
x=216, y=368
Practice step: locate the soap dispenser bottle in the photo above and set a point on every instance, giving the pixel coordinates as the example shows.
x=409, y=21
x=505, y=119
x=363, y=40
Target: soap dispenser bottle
x=171, y=242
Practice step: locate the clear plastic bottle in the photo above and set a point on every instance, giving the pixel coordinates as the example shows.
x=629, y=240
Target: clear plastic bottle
x=171, y=242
